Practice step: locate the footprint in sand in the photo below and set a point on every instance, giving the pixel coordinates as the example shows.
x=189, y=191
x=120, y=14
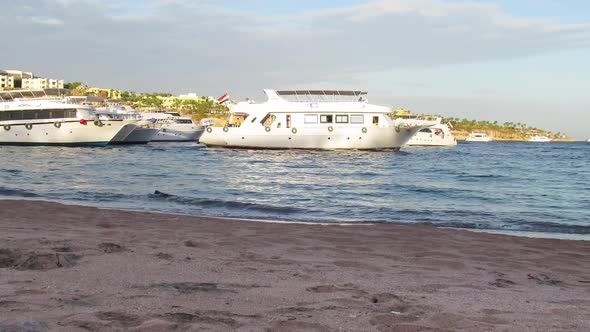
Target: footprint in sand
x=543, y=279
x=110, y=248
x=35, y=261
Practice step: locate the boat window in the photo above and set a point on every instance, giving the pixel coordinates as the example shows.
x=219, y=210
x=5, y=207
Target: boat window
x=326, y=118
x=253, y=120
x=310, y=118
x=341, y=118
x=37, y=114
x=183, y=121
x=376, y=120
x=425, y=130
x=357, y=118
x=268, y=120
x=288, y=120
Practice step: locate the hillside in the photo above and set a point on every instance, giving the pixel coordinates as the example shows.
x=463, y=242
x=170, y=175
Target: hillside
x=507, y=131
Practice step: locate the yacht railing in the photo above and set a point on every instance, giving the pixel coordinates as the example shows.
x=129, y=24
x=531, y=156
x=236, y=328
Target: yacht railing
x=306, y=96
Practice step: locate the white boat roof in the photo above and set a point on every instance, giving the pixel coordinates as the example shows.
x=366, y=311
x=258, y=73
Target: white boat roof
x=8, y=95
x=316, y=95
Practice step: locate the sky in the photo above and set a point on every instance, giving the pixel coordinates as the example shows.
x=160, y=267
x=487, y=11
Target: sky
x=497, y=60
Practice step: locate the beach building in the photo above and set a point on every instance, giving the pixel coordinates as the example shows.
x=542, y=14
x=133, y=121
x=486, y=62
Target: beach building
x=178, y=102
x=103, y=93
x=6, y=81
x=27, y=80
x=17, y=73
x=39, y=83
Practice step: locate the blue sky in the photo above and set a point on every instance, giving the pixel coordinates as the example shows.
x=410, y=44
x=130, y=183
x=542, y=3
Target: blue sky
x=502, y=60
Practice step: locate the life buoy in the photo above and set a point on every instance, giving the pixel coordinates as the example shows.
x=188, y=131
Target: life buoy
x=57, y=124
x=294, y=130
x=364, y=130
x=7, y=127
x=209, y=129
x=330, y=129
x=29, y=126
x=226, y=129
x=267, y=129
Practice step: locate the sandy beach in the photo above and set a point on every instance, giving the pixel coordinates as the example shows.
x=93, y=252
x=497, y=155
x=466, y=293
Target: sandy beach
x=73, y=268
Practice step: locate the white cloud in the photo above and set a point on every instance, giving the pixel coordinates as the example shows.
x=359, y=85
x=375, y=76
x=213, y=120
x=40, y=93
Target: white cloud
x=47, y=21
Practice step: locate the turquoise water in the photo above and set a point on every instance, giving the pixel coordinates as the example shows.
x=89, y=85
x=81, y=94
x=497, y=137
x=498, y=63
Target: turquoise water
x=506, y=186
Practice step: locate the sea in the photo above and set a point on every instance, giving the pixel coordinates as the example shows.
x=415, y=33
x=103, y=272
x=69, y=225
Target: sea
x=496, y=186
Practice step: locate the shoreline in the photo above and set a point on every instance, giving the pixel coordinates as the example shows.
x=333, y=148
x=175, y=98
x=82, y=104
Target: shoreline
x=527, y=234
x=78, y=268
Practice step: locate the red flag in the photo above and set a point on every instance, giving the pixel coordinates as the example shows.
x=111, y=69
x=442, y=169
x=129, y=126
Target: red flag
x=223, y=98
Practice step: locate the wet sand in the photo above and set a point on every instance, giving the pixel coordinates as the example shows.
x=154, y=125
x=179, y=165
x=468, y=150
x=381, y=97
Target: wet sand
x=73, y=268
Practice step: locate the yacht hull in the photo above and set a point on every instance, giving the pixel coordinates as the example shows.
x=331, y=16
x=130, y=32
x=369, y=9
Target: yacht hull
x=349, y=138
x=424, y=139
x=69, y=133
x=487, y=139
x=171, y=134
x=140, y=136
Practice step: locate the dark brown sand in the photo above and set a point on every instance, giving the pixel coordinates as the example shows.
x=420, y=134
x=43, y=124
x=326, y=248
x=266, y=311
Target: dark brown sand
x=72, y=268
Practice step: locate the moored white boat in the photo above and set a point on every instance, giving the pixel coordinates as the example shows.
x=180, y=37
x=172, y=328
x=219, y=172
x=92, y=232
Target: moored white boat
x=311, y=119
x=174, y=128
x=52, y=122
x=144, y=130
x=438, y=134
x=479, y=137
x=539, y=139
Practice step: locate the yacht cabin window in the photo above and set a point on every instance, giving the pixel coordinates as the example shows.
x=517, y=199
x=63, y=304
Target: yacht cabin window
x=310, y=118
x=341, y=118
x=37, y=114
x=328, y=118
x=268, y=120
x=357, y=118
x=376, y=120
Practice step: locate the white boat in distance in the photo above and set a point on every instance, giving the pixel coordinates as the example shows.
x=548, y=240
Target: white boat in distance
x=173, y=128
x=311, y=119
x=37, y=120
x=144, y=130
x=541, y=139
x=438, y=134
x=479, y=137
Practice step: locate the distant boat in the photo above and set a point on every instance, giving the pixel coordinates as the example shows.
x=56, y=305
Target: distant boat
x=479, y=137
x=541, y=139
x=438, y=134
x=142, y=134
x=174, y=128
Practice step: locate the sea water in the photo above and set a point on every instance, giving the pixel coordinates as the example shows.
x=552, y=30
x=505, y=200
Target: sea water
x=502, y=186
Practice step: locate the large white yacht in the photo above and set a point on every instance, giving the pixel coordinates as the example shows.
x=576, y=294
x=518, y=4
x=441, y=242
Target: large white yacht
x=311, y=119
x=42, y=121
x=478, y=137
x=173, y=127
x=144, y=130
x=541, y=139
